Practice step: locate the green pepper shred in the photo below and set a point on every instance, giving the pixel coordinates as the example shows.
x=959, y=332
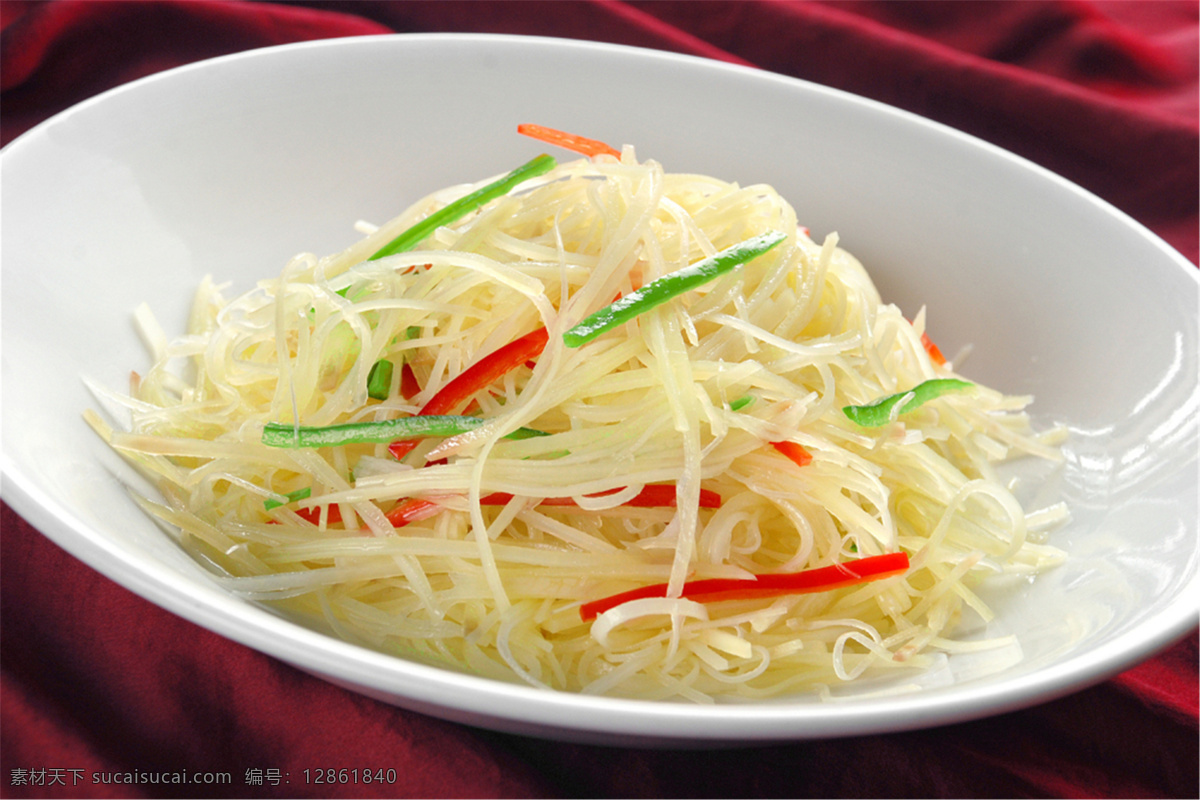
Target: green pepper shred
x=741, y=402
x=299, y=494
x=668, y=286
x=465, y=205
x=872, y=415
x=379, y=379
x=282, y=434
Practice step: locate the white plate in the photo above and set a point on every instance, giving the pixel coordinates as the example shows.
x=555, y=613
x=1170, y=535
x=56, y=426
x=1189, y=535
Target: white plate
x=231, y=166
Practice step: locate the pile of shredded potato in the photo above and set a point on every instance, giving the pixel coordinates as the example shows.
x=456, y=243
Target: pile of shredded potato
x=694, y=396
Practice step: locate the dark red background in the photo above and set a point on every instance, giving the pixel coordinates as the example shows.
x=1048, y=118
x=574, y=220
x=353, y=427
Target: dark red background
x=96, y=679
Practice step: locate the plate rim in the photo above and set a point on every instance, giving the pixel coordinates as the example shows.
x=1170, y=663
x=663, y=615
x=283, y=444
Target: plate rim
x=774, y=721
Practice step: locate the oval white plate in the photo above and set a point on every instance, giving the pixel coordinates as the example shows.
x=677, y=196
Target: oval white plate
x=231, y=166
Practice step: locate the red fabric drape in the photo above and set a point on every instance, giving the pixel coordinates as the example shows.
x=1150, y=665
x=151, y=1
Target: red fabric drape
x=97, y=681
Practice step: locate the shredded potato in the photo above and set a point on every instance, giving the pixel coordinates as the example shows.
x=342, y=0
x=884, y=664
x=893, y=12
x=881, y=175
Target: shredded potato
x=691, y=394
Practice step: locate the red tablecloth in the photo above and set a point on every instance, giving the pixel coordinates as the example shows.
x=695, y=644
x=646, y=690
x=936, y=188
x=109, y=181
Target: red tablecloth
x=96, y=680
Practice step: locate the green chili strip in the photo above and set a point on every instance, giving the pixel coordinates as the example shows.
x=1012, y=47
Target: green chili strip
x=281, y=434
x=552, y=455
x=379, y=379
x=879, y=413
x=741, y=402
x=299, y=494
x=668, y=286
x=465, y=205
x=526, y=433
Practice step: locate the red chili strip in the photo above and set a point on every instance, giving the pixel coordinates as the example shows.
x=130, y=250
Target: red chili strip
x=795, y=452
x=567, y=141
x=313, y=514
x=932, y=349
x=413, y=509
x=821, y=579
x=653, y=495
x=410, y=387
x=476, y=377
